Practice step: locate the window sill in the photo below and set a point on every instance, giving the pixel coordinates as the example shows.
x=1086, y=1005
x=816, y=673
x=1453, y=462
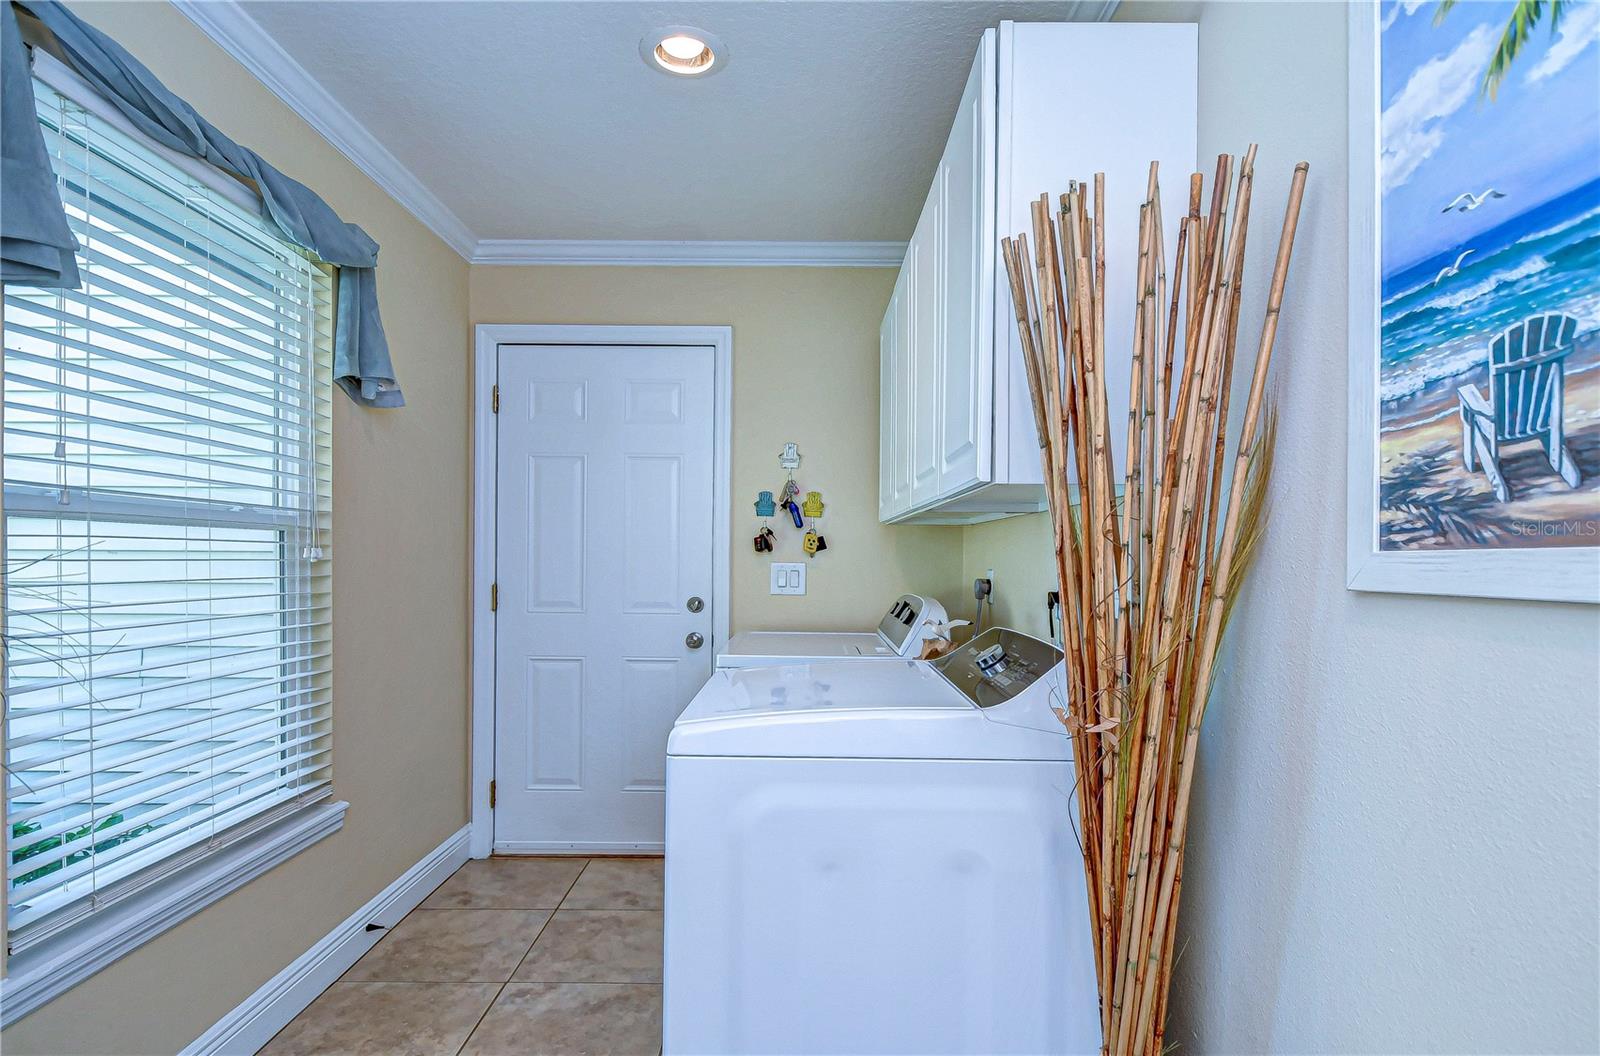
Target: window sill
x=40, y=974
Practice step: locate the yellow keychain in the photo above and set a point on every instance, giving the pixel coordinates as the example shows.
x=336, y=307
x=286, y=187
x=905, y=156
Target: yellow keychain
x=812, y=508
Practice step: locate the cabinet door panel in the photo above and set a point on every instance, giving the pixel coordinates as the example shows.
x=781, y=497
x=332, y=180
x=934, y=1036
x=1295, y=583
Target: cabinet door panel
x=900, y=471
x=888, y=438
x=926, y=343
x=966, y=260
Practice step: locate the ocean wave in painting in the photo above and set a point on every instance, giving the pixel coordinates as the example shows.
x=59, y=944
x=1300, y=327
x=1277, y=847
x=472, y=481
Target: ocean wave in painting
x=1457, y=298
x=1564, y=225
x=1438, y=326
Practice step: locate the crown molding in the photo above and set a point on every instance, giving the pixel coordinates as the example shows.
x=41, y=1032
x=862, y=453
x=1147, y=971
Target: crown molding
x=226, y=23
x=690, y=254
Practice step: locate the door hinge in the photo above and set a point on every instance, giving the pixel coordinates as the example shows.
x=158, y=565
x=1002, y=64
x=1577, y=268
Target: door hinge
x=494, y=403
x=494, y=597
x=491, y=795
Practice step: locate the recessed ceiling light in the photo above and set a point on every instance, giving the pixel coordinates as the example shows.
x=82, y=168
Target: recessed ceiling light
x=683, y=51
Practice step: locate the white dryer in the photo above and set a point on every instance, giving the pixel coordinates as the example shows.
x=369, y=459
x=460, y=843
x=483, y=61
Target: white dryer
x=877, y=858
x=899, y=635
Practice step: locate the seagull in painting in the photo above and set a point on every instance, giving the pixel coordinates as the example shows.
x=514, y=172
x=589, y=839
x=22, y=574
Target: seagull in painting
x=1466, y=202
x=1453, y=270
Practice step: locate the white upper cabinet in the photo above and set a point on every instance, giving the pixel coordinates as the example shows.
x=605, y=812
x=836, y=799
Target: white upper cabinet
x=1044, y=103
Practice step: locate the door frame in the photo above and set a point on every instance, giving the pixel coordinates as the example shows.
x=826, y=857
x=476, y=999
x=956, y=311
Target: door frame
x=487, y=339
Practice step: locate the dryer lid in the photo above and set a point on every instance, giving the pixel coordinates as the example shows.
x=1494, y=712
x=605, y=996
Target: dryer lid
x=781, y=645
x=833, y=687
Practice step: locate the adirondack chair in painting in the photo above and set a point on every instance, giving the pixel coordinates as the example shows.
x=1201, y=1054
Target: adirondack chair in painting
x=1527, y=389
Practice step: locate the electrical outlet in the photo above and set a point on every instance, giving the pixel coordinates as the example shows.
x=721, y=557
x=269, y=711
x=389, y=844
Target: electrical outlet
x=788, y=578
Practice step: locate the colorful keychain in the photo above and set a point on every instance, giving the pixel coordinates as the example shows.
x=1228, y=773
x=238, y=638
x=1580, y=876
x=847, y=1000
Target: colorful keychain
x=786, y=500
x=765, y=539
x=813, y=543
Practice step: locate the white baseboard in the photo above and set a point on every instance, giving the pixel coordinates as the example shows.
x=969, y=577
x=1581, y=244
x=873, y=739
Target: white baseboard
x=252, y=1024
x=575, y=847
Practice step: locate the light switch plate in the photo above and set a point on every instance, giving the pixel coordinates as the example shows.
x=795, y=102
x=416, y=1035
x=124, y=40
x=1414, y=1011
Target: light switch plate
x=788, y=578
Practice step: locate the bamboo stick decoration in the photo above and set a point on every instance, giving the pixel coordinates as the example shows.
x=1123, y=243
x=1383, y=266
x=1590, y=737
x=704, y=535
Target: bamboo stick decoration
x=1149, y=560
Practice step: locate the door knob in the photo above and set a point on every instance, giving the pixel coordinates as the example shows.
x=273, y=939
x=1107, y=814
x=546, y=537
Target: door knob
x=694, y=604
x=694, y=639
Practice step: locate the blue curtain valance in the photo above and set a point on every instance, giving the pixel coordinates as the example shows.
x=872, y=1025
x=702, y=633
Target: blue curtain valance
x=37, y=247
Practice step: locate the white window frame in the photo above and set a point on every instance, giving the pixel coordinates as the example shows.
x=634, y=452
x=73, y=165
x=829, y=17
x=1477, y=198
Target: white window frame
x=37, y=975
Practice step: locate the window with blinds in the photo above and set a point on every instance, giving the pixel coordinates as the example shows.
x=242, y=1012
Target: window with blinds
x=166, y=517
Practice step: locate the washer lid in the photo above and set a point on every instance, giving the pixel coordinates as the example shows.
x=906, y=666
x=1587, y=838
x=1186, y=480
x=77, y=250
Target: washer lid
x=886, y=710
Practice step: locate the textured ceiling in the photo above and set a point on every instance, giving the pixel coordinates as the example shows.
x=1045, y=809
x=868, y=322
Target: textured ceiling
x=540, y=120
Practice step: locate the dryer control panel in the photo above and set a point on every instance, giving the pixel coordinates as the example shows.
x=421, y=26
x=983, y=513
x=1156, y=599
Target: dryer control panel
x=901, y=627
x=997, y=665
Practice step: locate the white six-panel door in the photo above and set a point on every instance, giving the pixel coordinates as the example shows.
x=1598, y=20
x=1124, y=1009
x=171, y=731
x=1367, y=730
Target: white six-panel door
x=604, y=539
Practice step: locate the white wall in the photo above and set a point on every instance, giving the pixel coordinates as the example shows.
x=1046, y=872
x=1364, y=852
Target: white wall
x=1395, y=838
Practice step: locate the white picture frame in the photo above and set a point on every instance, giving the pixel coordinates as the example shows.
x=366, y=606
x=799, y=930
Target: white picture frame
x=1570, y=574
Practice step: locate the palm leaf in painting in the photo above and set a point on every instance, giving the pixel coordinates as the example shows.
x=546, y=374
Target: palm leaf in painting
x=1519, y=27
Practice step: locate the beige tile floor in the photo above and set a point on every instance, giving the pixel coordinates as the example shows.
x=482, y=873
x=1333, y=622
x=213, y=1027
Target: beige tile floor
x=509, y=955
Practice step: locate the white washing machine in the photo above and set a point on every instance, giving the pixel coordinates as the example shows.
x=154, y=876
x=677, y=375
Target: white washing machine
x=877, y=858
x=899, y=635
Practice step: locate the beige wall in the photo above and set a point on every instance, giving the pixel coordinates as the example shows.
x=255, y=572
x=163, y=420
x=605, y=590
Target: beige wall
x=399, y=674
x=1019, y=550
x=805, y=368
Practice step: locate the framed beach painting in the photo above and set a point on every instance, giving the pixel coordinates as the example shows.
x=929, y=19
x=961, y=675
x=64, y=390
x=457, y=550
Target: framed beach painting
x=1474, y=443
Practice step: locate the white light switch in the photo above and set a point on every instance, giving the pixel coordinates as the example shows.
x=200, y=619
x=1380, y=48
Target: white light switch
x=788, y=578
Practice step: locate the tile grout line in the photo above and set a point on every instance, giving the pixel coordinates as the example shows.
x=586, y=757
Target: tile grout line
x=498, y=993
x=521, y=960
x=486, y=1009
x=481, y=1017
x=568, y=893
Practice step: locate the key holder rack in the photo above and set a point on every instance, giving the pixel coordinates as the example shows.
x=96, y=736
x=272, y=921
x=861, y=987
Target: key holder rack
x=803, y=513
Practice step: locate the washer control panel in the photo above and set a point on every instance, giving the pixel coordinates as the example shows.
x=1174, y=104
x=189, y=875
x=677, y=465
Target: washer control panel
x=997, y=665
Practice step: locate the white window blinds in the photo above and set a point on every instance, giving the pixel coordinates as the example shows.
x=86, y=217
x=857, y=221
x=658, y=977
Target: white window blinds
x=166, y=519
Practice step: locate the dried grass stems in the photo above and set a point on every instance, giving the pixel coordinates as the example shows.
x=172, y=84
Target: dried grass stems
x=1150, y=559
